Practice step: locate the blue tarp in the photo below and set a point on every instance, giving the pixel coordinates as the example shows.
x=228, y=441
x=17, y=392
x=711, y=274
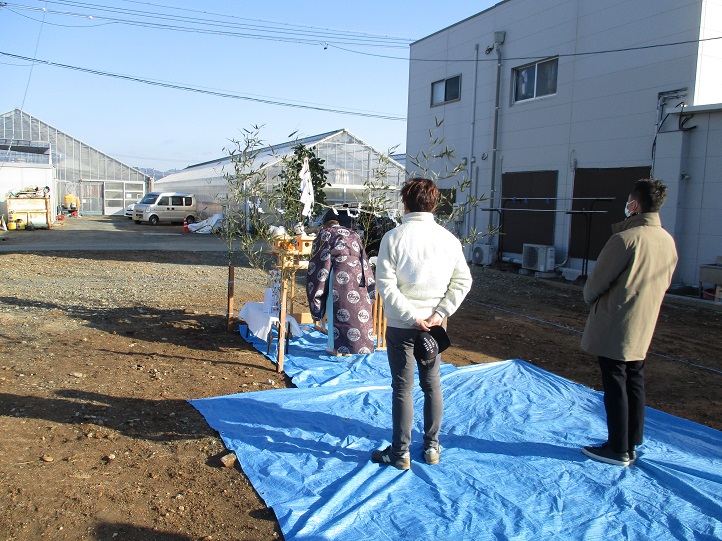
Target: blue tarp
x=511, y=467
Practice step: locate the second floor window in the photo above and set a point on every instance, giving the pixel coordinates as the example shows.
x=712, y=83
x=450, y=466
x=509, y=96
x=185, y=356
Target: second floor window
x=535, y=80
x=446, y=90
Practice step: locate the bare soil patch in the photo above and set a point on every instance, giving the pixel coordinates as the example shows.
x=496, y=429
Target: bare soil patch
x=100, y=352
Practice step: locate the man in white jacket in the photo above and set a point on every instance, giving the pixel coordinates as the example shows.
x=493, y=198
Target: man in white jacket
x=422, y=277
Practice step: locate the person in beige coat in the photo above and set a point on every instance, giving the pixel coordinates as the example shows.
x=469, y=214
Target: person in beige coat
x=625, y=291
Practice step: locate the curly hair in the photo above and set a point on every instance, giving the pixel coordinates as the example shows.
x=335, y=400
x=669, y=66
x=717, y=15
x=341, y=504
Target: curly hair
x=420, y=195
x=650, y=193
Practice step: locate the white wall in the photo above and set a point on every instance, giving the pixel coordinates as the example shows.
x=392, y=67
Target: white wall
x=604, y=113
x=709, y=68
x=16, y=176
x=692, y=212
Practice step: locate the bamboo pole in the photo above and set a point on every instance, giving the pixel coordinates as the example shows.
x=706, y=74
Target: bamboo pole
x=379, y=322
x=231, y=289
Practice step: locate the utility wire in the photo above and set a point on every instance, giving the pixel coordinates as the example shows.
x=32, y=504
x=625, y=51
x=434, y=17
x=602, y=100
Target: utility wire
x=307, y=35
x=226, y=16
x=208, y=92
x=560, y=55
x=56, y=24
x=30, y=75
x=27, y=87
x=223, y=27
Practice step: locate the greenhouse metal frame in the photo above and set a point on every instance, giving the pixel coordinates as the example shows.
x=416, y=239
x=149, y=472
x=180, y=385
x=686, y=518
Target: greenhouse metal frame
x=350, y=164
x=103, y=184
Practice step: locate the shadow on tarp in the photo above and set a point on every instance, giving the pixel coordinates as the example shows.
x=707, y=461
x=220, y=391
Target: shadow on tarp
x=308, y=365
x=511, y=467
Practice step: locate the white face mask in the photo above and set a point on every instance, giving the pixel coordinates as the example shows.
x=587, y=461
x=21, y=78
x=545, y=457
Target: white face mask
x=627, y=213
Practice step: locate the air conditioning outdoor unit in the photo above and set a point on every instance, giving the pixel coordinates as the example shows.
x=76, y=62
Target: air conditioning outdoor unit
x=483, y=254
x=538, y=257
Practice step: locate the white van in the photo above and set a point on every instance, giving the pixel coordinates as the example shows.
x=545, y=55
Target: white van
x=156, y=207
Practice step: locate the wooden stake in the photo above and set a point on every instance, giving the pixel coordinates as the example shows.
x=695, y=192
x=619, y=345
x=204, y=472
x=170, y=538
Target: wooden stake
x=282, y=325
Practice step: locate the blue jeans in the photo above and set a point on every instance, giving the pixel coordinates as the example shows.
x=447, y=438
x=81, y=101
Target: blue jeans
x=402, y=363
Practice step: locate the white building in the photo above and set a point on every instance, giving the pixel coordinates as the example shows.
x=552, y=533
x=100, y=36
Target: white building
x=557, y=105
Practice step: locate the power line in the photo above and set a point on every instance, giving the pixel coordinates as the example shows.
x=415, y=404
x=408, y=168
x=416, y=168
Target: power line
x=56, y=24
x=226, y=16
x=287, y=33
x=27, y=85
x=284, y=24
x=560, y=55
x=207, y=91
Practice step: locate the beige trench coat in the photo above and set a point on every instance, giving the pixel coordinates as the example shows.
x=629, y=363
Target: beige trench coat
x=626, y=288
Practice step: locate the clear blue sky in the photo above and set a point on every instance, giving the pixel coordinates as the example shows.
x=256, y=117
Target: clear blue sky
x=149, y=126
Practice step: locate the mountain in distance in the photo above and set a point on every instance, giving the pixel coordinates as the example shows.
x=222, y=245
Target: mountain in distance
x=155, y=173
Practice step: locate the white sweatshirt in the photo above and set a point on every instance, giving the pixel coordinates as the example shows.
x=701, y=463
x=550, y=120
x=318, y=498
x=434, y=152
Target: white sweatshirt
x=421, y=269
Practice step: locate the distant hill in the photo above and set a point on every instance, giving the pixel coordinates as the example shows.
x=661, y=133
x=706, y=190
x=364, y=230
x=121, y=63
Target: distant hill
x=154, y=173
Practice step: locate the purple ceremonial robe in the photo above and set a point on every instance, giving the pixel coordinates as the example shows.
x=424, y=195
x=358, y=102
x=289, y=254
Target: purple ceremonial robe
x=338, y=253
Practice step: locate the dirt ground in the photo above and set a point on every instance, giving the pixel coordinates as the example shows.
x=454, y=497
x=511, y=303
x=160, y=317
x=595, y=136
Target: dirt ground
x=100, y=351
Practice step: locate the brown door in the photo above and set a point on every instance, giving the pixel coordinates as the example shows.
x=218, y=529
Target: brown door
x=599, y=183
x=530, y=198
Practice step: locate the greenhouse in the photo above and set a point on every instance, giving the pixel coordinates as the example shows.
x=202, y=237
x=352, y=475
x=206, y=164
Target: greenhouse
x=101, y=184
x=350, y=165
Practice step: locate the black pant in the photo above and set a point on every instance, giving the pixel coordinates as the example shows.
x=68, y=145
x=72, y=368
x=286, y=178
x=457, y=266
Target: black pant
x=624, y=402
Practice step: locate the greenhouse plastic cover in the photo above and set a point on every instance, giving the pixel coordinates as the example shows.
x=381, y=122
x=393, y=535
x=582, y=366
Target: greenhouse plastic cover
x=511, y=467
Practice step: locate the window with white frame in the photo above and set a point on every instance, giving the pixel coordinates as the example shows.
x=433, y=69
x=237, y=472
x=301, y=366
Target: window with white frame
x=535, y=80
x=446, y=90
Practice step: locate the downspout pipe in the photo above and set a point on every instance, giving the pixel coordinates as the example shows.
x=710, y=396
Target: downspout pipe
x=662, y=98
x=473, y=186
x=499, y=38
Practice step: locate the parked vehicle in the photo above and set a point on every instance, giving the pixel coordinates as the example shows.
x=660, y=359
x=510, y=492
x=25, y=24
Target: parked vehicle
x=156, y=207
x=129, y=211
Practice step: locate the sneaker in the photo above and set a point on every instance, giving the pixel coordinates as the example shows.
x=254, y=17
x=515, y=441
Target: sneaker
x=387, y=457
x=603, y=453
x=431, y=455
